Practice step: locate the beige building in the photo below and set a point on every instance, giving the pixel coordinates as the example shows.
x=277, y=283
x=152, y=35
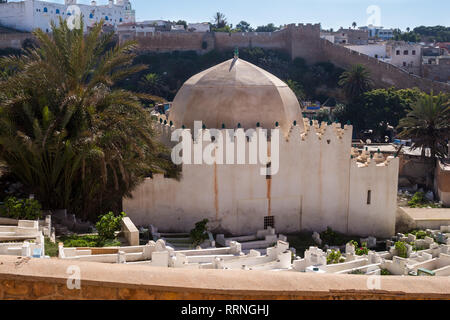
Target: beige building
x=407, y=56
x=321, y=182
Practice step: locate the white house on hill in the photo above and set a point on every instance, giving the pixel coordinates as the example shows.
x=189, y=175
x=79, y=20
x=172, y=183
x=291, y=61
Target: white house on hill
x=28, y=15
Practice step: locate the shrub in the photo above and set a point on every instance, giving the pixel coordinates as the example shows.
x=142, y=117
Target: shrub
x=108, y=224
x=198, y=234
x=88, y=241
x=420, y=234
x=402, y=250
x=334, y=257
x=22, y=209
x=51, y=249
x=419, y=201
x=360, y=249
x=334, y=238
x=385, y=272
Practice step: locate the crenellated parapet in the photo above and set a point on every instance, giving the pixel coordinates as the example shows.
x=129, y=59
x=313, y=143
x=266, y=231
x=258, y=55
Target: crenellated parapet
x=298, y=132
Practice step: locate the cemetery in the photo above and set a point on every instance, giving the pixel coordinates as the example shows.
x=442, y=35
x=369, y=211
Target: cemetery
x=24, y=237
x=417, y=253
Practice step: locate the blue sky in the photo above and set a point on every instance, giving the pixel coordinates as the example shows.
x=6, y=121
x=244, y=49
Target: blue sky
x=330, y=13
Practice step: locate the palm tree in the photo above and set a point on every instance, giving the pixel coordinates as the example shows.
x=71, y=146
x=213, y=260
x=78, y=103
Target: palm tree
x=153, y=84
x=67, y=132
x=220, y=20
x=355, y=81
x=354, y=25
x=428, y=125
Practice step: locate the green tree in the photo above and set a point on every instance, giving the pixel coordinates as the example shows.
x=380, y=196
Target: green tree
x=355, y=81
x=183, y=23
x=66, y=131
x=354, y=25
x=428, y=125
x=383, y=108
x=244, y=26
x=433, y=33
x=267, y=28
x=108, y=224
x=297, y=89
x=323, y=115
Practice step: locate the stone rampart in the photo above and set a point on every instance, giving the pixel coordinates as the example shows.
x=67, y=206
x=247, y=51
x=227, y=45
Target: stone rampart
x=383, y=74
x=302, y=40
x=13, y=40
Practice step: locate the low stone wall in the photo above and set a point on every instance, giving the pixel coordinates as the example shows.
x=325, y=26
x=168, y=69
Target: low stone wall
x=47, y=279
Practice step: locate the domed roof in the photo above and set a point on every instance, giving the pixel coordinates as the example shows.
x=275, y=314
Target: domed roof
x=233, y=92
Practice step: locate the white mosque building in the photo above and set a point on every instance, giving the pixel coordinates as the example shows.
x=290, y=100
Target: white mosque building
x=28, y=15
x=320, y=182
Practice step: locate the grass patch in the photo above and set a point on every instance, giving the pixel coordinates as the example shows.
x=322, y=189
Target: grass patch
x=419, y=201
x=88, y=241
x=51, y=249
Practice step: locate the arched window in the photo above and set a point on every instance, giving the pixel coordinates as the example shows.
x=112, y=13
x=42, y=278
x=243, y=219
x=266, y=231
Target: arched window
x=120, y=19
x=106, y=18
x=57, y=11
x=91, y=16
x=45, y=9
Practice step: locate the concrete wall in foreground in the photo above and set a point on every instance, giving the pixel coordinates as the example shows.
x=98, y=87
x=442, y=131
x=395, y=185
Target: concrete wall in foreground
x=48, y=278
x=317, y=186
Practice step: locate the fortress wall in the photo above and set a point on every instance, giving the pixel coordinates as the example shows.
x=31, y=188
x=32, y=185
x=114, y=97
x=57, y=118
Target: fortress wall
x=296, y=40
x=314, y=188
x=13, y=40
x=384, y=74
x=304, y=42
x=170, y=41
x=267, y=40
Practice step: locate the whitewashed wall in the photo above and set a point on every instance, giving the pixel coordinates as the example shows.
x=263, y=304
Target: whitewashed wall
x=372, y=50
x=317, y=186
x=29, y=15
